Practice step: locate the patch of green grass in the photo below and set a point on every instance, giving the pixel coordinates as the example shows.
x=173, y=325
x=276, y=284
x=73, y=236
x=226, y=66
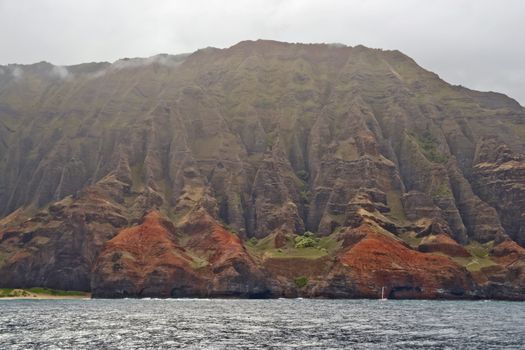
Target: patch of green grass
x=259, y=247
x=443, y=191
x=428, y=146
x=13, y=293
x=264, y=243
x=479, y=250
x=198, y=263
x=329, y=243
x=57, y=292
x=479, y=256
x=301, y=281
x=16, y=293
x=474, y=264
x=296, y=253
x=304, y=246
x=411, y=239
x=303, y=175
x=304, y=195
x=6, y=292
x=252, y=242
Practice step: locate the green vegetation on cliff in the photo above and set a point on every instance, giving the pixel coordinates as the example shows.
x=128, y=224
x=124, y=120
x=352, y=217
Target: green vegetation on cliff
x=38, y=291
x=301, y=281
x=306, y=246
x=306, y=240
x=55, y=292
x=428, y=144
x=480, y=257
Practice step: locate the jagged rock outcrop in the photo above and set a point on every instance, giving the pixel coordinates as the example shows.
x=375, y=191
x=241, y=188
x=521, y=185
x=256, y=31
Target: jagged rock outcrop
x=499, y=178
x=264, y=169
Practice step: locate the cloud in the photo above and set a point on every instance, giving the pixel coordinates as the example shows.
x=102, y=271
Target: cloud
x=161, y=59
x=61, y=73
x=17, y=73
x=129, y=63
x=476, y=43
x=97, y=74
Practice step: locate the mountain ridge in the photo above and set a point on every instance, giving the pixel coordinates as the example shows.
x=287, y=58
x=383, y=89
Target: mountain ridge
x=317, y=154
x=155, y=58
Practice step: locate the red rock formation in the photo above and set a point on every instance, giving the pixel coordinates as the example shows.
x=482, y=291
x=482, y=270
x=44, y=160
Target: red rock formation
x=148, y=260
x=144, y=260
x=377, y=261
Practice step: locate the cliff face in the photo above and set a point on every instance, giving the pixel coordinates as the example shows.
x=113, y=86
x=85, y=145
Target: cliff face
x=200, y=174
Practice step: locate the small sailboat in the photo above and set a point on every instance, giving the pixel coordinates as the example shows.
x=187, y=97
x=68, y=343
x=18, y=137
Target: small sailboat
x=383, y=294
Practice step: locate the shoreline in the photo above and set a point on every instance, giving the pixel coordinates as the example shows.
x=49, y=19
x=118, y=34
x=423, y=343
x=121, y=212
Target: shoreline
x=88, y=296
x=41, y=294
x=48, y=297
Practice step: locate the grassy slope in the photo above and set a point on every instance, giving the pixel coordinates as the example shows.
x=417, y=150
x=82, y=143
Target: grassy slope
x=479, y=258
x=479, y=253
x=264, y=248
x=39, y=291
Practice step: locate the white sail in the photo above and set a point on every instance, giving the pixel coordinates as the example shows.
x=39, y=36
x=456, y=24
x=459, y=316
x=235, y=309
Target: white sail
x=383, y=293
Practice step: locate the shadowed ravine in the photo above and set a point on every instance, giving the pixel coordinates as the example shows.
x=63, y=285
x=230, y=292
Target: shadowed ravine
x=266, y=169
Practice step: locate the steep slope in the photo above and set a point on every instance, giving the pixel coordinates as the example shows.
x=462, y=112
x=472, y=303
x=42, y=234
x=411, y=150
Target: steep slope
x=263, y=142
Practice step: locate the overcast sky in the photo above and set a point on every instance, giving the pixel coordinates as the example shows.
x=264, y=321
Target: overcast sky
x=476, y=43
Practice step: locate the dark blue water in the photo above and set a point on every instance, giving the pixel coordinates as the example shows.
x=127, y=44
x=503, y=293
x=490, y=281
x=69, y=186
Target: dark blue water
x=260, y=324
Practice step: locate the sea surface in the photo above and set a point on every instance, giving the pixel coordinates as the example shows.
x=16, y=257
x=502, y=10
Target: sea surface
x=260, y=324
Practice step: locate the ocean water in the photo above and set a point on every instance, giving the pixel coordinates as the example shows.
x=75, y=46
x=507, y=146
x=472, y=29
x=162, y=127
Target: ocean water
x=260, y=324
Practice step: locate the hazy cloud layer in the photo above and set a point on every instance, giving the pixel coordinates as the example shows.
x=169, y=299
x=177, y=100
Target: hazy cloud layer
x=476, y=43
